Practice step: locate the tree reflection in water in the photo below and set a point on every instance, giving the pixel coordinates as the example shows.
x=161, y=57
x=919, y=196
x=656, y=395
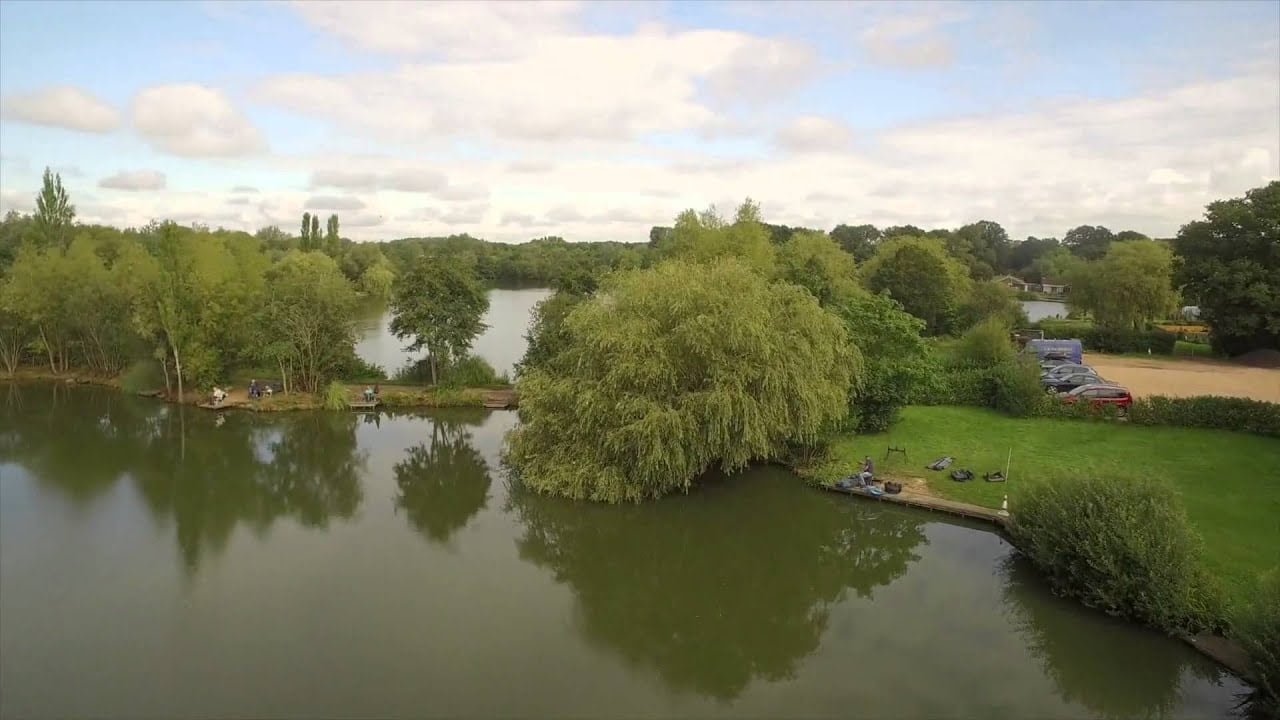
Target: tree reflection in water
x=204, y=476
x=723, y=586
x=443, y=483
x=1102, y=663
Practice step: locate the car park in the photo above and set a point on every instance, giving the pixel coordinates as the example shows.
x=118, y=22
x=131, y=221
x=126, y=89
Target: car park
x=1066, y=383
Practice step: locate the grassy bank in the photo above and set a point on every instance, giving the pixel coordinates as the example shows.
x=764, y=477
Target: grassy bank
x=1228, y=481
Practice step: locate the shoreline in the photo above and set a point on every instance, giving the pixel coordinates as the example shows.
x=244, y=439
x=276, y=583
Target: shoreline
x=390, y=395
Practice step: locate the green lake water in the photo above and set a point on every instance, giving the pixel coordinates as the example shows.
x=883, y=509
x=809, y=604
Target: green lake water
x=161, y=562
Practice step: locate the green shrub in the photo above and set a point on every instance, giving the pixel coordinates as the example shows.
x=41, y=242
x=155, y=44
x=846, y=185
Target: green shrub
x=1016, y=388
x=1209, y=411
x=1125, y=547
x=1065, y=329
x=357, y=369
x=335, y=396
x=986, y=345
x=1257, y=628
x=1110, y=340
x=470, y=371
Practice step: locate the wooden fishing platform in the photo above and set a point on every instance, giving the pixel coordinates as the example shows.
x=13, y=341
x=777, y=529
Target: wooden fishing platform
x=227, y=405
x=928, y=502
x=364, y=404
x=500, y=399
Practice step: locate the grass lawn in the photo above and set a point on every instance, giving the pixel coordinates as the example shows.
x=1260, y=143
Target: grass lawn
x=1230, y=482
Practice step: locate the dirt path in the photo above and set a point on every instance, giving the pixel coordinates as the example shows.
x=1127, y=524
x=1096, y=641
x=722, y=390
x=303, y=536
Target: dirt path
x=1187, y=377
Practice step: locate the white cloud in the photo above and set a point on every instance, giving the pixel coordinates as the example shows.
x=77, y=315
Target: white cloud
x=912, y=40
x=135, y=180
x=653, y=81
x=476, y=30
x=194, y=121
x=810, y=133
x=64, y=107
x=238, y=200
x=246, y=189
x=405, y=179
x=329, y=202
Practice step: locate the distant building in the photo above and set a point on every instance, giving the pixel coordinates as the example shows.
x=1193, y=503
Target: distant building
x=1191, y=312
x=1053, y=289
x=1012, y=282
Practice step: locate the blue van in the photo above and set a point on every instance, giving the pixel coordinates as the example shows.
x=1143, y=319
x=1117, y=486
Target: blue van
x=1066, y=349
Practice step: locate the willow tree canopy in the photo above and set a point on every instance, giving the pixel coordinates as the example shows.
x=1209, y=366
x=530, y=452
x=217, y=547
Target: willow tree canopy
x=670, y=371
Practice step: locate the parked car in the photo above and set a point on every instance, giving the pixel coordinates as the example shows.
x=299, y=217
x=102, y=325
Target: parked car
x=1066, y=369
x=1066, y=383
x=1100, y=395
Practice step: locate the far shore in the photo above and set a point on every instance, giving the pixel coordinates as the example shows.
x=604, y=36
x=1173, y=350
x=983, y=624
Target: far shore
x=389, y=395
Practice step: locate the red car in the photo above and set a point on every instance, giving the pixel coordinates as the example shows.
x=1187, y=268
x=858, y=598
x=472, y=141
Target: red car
x=1099, y=396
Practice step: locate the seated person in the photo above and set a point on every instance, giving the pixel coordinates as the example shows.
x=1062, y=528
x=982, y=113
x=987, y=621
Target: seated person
x=867, y=476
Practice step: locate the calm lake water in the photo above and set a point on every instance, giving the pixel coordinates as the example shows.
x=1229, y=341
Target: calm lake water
x=502, y=344
x=157, y=562
x=1038, y=310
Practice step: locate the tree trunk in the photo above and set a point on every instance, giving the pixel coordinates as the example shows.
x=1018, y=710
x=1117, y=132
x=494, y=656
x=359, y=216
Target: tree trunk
x=432, y=357
x=177, y=364
x=49, y=349
x=164, y=368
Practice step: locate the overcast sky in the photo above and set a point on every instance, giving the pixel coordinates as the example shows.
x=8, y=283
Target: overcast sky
x=594, y=121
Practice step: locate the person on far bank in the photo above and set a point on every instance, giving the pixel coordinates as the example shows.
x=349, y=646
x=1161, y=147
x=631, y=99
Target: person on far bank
x=868, y=471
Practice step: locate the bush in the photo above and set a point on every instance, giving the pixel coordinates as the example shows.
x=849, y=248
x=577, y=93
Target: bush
x=335, y=396
x=357, y=369
x=1257, y=628
x=1130, y=341
x=1016, y=388
x=1124, y=547
x=1110, y=340
x=471, y=371
x=1209, y=411
x=142, y=375
x=986, y=345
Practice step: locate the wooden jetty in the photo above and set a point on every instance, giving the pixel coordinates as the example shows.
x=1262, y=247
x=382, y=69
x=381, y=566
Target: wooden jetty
x=224, y=405
x=928, y=502
x=364, y=404
x=500, y=399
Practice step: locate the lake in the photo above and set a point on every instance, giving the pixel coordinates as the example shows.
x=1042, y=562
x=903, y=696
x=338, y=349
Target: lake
x=502, y=343
x=1038, y=310
x=168, y=562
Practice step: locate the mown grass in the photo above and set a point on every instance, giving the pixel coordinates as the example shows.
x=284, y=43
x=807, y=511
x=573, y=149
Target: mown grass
x=1230, y=482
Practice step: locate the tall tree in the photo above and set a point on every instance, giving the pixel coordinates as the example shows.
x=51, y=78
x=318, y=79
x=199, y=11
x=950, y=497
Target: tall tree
x=1088, y=241
x=813, y=261
x=55, y=215
x=857, y=240
x=1231, y=269
x=304, y=238
x=672, y=371
x=314, y=237
x=923, y=277
x=309, y=319
x=332, y=241
x=705, y=236
x=439, y=304
x=1023, y=255
x=1129, y=287
x=983, y=246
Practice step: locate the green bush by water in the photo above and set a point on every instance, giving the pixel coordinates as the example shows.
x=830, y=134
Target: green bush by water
x=1124, y=547
x=335, y=396
x=1257, y=628
x=142, y=375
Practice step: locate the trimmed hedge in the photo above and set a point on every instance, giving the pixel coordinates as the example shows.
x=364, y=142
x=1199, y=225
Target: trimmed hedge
x=1109, y=340
x=1209, y=411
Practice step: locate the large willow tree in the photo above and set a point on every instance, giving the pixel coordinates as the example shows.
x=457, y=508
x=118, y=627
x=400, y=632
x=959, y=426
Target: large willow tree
x=669, y=372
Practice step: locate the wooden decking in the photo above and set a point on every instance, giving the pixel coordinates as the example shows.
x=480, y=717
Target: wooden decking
x=500, y=399
x=928, y=502
x=364, y=404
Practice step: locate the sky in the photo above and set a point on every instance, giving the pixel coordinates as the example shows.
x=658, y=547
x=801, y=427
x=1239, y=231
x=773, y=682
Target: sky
x=597, y=120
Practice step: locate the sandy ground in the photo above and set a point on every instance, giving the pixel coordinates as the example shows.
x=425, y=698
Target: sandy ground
x=1187, y=377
